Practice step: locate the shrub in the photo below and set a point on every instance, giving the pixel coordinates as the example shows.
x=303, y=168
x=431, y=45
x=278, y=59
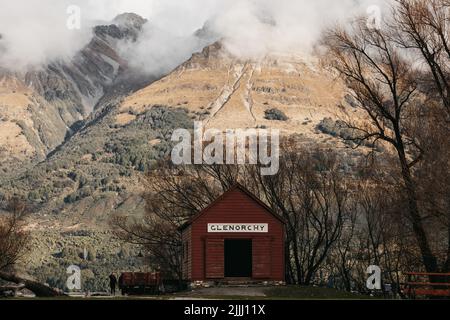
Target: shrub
x=275, y=114
x=341, y=130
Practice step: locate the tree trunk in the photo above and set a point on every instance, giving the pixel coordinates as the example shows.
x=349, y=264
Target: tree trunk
x=428, y=259
x=346, y=276
x=37, y=288
x=298, y=265
x=288, y=264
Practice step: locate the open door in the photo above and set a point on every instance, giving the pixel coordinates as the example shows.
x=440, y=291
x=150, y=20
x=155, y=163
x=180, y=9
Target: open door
x=238, y=258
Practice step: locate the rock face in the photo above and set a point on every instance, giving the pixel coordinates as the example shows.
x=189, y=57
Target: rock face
x=76, y=137
x=228, y=93
x=98, y=171
x=42, y=107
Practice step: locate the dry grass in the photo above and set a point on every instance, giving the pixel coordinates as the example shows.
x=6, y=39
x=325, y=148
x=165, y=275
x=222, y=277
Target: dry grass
x=228, y=94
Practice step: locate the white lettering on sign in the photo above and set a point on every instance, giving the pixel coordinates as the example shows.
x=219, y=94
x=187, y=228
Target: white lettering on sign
x=238, y=227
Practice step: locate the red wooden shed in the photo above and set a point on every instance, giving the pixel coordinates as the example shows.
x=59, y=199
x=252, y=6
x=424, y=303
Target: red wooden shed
x=237, y=237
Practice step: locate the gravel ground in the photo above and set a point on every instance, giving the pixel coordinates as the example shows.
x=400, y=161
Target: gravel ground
x=228, y=291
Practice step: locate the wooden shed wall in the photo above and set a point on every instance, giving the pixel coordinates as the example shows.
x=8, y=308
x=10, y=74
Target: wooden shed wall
x=207, y=248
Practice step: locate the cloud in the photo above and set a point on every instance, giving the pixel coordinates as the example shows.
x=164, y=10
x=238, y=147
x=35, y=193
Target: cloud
x=248, y=28
x=257, y=27
x=159, y=51
x=34, y=32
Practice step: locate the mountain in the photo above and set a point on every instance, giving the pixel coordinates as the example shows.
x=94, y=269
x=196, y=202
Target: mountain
x=77, y=137
x=40, y=108
x=226, y=92
x=98, y=171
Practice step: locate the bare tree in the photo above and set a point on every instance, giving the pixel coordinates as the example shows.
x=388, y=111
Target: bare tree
x=13, y=238
x=383, y=232
x=309, y=192
x=432, y=175
x=312, y=195
x=343, y=258
x=424, y=26
x=13, y=247
x=384, y=84
x=173, y=195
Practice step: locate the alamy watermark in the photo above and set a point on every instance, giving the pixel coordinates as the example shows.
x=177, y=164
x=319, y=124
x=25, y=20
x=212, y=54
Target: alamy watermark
x=74, y=17
x=74, y=280
x=241, y=146
x=374, y=17
x=374, y=280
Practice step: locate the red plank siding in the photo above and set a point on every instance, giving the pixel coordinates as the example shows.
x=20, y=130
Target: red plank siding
x=215, y=258
x=206, y=249
x=262, y=258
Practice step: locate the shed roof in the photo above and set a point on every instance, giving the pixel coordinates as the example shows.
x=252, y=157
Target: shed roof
x=233, y=188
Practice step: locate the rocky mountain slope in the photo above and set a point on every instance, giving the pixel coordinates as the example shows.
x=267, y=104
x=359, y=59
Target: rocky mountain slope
x=84, y=132
x=98, y=171
x=43, y=106
x=226, y=92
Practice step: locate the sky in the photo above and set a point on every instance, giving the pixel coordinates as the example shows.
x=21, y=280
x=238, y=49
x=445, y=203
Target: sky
x=35, y=32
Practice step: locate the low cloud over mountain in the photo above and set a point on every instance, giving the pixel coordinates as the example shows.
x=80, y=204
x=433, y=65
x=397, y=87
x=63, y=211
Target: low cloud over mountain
x=37, y=34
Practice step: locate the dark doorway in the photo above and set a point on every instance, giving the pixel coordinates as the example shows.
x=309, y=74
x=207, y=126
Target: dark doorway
x=238, y=258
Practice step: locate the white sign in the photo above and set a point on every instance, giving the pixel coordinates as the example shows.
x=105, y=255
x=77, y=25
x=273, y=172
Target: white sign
x=238, y=227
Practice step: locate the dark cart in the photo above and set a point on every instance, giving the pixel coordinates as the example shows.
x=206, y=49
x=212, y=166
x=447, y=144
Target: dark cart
x=140, y=283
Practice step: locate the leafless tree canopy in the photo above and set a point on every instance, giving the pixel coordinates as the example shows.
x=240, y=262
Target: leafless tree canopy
x=14, y=247
x=406, y=105
x=174, y=194
x=13, y=239
x=312, y=196
x=309, y=192
x=423, y=27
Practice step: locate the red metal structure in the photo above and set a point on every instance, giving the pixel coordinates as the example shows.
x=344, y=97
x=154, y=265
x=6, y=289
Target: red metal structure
x=140, y=282
x=237, y=237
x=419, y=285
